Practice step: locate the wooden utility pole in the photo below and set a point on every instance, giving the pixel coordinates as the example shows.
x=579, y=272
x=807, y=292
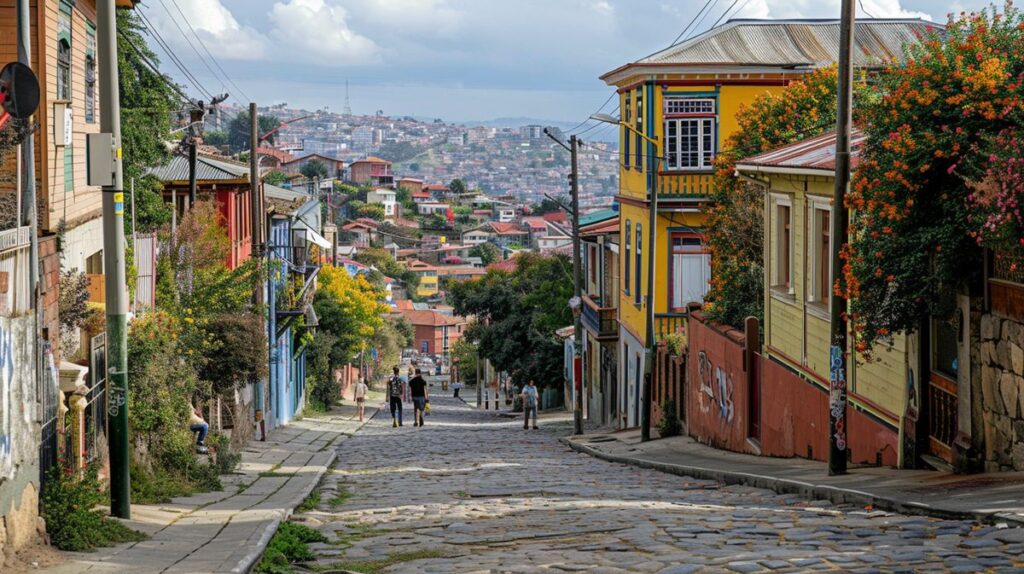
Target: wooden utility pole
x=838, y=353
x=577, y=272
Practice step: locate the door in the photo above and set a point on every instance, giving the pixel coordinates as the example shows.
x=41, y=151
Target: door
x=941, y=391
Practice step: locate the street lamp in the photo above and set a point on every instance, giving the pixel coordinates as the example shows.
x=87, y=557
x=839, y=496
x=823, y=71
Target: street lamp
x=652, y=228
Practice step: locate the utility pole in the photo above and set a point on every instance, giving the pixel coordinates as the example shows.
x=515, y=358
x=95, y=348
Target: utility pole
x=576, y=303
x=255, y=203
x=195, y=116
x=838, y=353
x=28, y=165
x=113, y=261
x=577, y=279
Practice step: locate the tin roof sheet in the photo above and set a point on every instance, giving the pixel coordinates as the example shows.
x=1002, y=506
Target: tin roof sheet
x=789, y=42
x=818, y=153
x=208, y=169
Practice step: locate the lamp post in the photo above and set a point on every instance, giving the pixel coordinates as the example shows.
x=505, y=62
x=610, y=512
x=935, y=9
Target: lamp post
x=652, y=232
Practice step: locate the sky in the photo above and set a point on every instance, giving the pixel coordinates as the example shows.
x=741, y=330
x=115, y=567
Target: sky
x=459, y=60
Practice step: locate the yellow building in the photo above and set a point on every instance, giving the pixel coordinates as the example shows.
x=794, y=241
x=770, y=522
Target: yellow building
x=686, y=98
x=427, y=273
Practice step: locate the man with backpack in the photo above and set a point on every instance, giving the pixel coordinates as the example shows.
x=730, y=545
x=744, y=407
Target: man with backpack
x=396, y=390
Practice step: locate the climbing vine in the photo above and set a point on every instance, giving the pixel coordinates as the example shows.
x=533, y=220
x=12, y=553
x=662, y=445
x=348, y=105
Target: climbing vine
x=939, y=175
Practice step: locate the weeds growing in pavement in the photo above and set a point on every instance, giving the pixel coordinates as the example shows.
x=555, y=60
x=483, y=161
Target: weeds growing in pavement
x=340, y=498
x=379, y=566
x=311, y=503
x=73, y=524
x=289, y=545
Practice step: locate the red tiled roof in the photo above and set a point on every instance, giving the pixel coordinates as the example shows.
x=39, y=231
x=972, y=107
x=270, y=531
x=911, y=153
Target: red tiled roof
x=610, y=226
x=371, y=159
x=817, y=153
x=431, y=318
x=556, y=217
x=535, y=222
x=280, y=155
x=506, y=228
x=403, y=304
x=508, y=265
x=369, y=222
x=420, y=194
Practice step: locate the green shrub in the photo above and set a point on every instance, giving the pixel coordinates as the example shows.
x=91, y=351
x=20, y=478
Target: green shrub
x=669, y=425
x=69, y=508
x=227, y=458
x=290, y=544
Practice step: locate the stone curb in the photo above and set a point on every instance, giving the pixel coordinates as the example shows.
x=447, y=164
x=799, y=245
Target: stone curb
x=247, y=562
x=834, y=494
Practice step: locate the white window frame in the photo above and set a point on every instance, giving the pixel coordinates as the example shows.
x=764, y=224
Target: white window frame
x=817, y=206
x=698, y=113
x=779, y=282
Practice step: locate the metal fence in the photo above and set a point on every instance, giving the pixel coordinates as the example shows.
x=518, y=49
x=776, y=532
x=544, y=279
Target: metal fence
x=96, y=400
x=49, y=397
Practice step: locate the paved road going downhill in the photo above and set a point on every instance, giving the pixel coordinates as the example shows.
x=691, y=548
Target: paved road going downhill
x=471, y=492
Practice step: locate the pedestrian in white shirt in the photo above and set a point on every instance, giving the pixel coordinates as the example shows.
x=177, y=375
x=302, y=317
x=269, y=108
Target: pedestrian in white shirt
x=359, y=392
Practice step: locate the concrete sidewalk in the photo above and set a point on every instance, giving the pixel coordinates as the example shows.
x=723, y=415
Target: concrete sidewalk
x=995, y=497
x=227, y=531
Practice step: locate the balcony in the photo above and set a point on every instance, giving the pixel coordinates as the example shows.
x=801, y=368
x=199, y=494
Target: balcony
x=600, y=321
x=677, y=185
x=666, y=324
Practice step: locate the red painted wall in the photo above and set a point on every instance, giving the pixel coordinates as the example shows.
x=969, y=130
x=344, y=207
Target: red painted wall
x=794, y=411
x=233, y=206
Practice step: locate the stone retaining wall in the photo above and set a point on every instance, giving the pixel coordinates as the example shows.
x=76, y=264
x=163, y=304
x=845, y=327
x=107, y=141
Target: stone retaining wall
x=1002, y=386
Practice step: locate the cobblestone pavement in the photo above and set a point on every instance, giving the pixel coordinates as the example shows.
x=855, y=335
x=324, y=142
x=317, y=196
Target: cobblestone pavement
x=471, y=492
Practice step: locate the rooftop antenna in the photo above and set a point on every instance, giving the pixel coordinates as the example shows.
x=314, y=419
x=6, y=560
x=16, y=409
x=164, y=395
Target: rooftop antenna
x=348, y=107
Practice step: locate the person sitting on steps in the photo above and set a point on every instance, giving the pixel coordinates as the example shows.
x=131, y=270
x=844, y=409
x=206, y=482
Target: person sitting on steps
x=198, y=425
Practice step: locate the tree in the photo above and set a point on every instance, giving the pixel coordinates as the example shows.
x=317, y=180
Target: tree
x=518, y=314
x=239, y=129
x=487, y=252
x=548, y=205
x=148, y=102
x=275, y=178
x=463, y=354
x=457, y=186
x=215, y=138
x=314, y=168
x=735, y=214
x=374, y=211
x=934, y=166
x=350, y=309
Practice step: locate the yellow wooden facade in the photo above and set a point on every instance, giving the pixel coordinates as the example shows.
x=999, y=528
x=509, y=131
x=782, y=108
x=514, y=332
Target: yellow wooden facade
x=796, y=319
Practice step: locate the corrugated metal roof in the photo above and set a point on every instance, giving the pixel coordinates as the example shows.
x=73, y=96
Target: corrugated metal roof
x=596, y=216
x=793, y=42
x=818, y=153
x=208, y=169
x=284, y=201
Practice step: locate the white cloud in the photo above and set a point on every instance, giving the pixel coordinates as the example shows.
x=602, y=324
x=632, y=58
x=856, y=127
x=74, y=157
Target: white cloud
x=215, y=25
x=433, y=18
x=320, y=30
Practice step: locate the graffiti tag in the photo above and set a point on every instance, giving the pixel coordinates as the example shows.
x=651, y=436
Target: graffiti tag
x=715, y=389
x=837, y=397
x=115, y=400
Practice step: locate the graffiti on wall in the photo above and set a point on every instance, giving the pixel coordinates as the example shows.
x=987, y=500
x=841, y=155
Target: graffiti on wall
x=8, y=403
x=837, y=397
x=716, y=389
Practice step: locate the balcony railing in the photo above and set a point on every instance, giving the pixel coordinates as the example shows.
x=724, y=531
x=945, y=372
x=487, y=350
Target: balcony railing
x=601, y=321
x=666, y=324
x=684, y=185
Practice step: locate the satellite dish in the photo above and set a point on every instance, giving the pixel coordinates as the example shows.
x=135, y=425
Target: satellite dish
x=19, y=90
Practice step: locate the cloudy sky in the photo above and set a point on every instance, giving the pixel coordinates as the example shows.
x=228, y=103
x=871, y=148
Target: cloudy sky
x=460, y=60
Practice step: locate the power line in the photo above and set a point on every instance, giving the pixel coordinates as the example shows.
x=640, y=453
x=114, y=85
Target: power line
x=577, y=126
x=701, y=21
x=692, y=20
x=190, y=44
x=864, y=10
x=154, y=68
x=727, y=10
x=174, y=58
x=207, y=50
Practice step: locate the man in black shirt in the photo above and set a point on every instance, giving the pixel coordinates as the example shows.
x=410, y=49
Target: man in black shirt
x=418, y=391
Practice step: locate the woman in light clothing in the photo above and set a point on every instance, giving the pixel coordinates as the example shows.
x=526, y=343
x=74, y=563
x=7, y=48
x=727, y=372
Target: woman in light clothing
x=360, y=395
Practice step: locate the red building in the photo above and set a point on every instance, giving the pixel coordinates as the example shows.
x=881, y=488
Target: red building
x=228, y=183
x=436, y=332
x=371, y=171
x=335, y=167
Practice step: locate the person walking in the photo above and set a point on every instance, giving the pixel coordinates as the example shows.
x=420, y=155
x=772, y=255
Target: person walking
x=530, y=401
x=396, y=389
x=420, y=396
x=359, y=392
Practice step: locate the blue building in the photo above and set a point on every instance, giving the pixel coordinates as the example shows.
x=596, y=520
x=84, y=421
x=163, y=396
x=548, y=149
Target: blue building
x=294, y=224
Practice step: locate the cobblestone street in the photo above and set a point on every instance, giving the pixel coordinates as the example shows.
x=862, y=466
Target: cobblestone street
x=472, y=492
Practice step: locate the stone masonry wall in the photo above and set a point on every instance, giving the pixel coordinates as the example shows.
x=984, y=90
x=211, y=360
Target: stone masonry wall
x=1002, y=390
